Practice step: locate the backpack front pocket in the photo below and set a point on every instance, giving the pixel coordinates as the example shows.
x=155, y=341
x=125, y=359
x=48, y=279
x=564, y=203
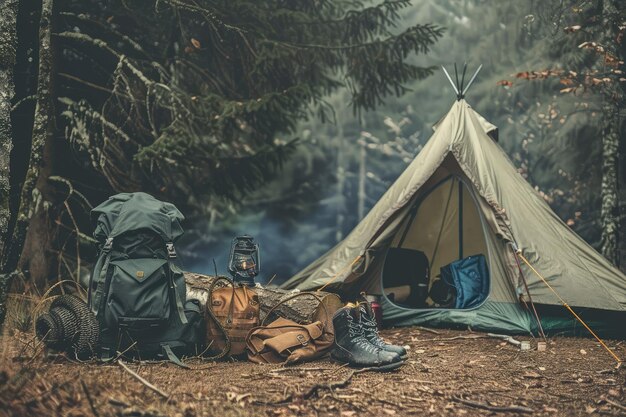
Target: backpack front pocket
x=138, y=296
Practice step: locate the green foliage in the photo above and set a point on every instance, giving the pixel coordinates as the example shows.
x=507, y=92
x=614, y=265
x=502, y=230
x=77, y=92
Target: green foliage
x=202, y=99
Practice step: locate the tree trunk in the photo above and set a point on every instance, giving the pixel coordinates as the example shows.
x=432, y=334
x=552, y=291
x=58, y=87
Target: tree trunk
x=609, y=215
x=341, y=179
x=8, y=44
x=609, y=209
x=362, y=178
x=303, y=309
x=30, y=238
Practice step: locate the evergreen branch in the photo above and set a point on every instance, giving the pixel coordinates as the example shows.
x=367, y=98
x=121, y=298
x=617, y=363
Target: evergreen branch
x=432, y=32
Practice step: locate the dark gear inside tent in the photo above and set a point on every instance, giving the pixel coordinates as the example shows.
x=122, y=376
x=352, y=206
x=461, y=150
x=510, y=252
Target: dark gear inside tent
x=437, y=259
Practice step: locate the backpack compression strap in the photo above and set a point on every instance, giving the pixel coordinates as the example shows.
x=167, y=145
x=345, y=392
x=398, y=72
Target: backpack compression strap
x=171, y=356
x=171, y=255
x=97, y=298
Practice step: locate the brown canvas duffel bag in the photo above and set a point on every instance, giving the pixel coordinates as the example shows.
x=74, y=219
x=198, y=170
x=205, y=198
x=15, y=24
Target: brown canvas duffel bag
x=285, y=341
x=232, y=312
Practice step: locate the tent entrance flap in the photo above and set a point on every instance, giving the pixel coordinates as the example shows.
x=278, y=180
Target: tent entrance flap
x=443, y=227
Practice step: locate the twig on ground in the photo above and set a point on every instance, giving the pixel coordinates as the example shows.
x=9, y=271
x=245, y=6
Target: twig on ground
x=426, y=329
x=118, y=403
x=406, y=397
x=38, y=348
x=142, y=380
x=31, y=343
x=442, y=339
x=513, y=408
x=614, y=404
x=89, y=399
x=120, y=354
x=314, y=389
x=339, y=369
x=506, y=338
x=294, y=368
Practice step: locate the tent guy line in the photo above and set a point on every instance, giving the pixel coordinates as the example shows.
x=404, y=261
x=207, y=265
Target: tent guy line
x=523, y=258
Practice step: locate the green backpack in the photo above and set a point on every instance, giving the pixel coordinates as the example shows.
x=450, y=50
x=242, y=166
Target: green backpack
x=136, y=291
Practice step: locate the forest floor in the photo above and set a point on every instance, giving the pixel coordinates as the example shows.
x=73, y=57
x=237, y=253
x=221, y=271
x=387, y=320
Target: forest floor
x=448, y=373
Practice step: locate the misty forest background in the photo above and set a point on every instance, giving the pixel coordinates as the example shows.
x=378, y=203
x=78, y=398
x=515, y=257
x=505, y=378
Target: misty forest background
x=288, y=120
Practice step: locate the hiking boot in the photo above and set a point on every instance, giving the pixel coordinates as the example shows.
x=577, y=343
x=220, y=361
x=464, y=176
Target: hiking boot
x=370, y=330
x=352, y=347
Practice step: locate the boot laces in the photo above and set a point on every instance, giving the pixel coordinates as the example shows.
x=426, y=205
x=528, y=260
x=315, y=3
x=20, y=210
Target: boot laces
x=372, y=329
x=358, y=338
x=370, y=324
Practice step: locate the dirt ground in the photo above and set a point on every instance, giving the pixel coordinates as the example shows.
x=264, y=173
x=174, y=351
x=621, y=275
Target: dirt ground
x=448, y=373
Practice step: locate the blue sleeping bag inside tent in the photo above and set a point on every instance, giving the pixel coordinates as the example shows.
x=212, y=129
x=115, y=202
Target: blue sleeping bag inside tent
x=470, y=279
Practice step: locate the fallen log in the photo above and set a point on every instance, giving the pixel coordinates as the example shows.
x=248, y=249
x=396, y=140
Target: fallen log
x=302, y=309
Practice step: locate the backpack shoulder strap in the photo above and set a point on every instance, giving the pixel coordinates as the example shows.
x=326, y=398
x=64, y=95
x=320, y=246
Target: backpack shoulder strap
x=95, y=303
x=106, y=250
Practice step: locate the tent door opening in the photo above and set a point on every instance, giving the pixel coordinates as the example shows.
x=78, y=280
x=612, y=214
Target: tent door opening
x=438, y=257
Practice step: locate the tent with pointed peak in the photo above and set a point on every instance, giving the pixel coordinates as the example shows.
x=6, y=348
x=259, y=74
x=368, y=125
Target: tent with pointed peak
x=462, y=196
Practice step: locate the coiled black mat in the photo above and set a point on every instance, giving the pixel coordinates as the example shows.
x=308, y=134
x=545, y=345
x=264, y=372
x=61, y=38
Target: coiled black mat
x=69, y=326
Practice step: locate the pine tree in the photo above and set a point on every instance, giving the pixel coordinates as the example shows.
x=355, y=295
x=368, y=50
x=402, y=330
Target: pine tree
x=208, y=104
x=196, y=102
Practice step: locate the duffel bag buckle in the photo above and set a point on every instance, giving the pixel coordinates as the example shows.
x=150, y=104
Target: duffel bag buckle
x=302, y=340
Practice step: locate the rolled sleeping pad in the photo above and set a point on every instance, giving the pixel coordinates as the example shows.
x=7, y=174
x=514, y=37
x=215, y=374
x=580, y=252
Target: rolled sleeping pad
x=47, y=329
x=70, y=327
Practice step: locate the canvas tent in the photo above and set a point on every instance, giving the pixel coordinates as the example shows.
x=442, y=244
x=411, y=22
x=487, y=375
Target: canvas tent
x=462, y=196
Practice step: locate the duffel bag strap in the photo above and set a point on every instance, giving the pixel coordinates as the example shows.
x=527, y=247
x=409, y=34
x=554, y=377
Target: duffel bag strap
x=209, y=309
x=296, y=295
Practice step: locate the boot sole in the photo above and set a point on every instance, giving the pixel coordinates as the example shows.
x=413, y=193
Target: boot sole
x=381, y=368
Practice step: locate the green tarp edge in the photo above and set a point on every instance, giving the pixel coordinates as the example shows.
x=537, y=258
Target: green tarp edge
x=490, y=316
x=509, y=318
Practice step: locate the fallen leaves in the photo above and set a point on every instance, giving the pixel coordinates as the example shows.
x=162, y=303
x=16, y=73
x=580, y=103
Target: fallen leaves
x=543, y=74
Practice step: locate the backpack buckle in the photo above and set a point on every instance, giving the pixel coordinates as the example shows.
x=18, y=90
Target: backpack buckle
x=171, y=252
x=108, y=244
